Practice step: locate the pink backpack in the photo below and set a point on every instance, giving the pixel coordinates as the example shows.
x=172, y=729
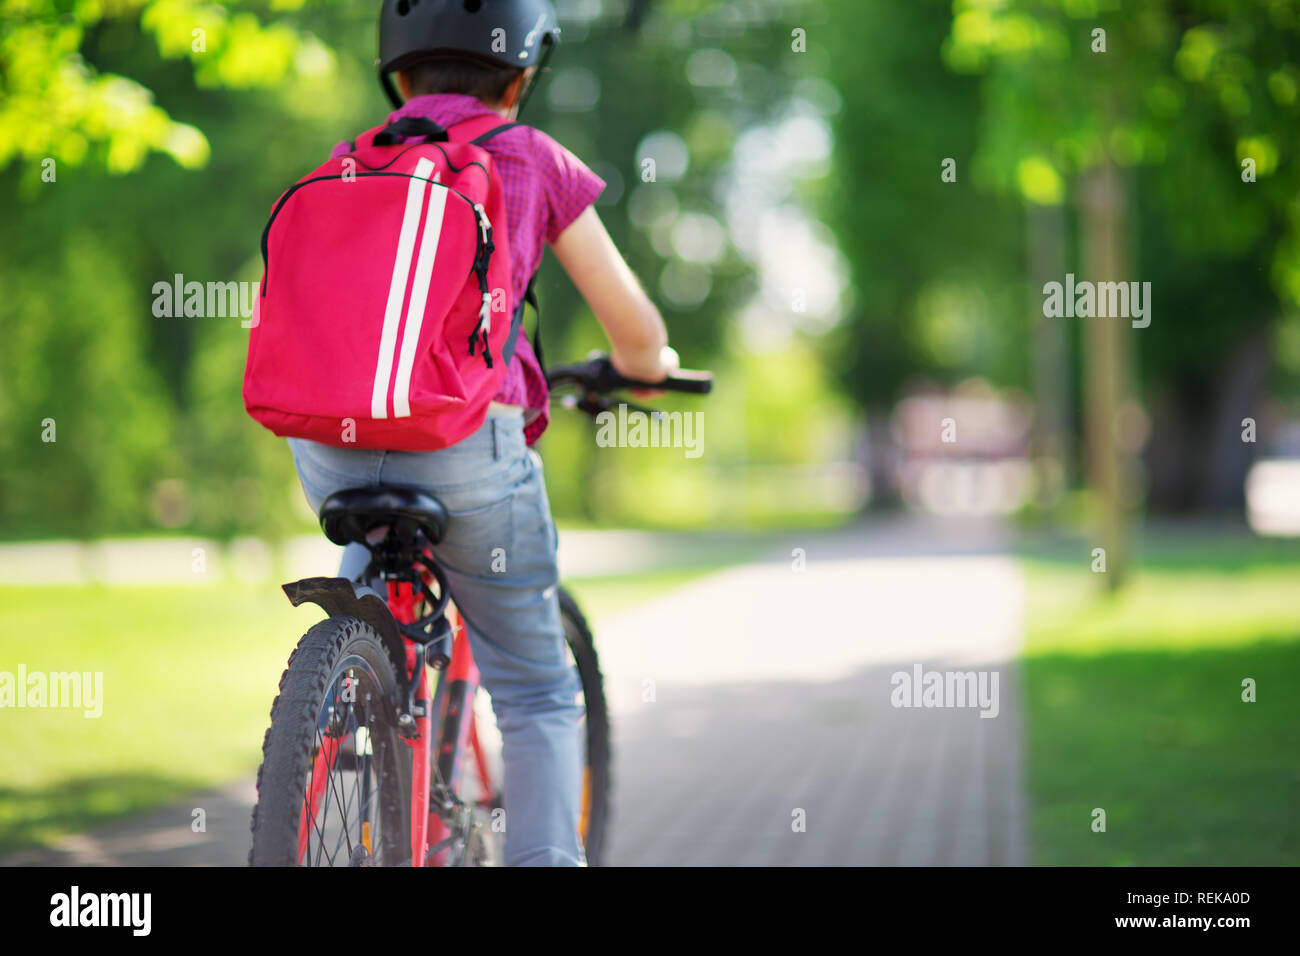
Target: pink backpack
x=381, y=320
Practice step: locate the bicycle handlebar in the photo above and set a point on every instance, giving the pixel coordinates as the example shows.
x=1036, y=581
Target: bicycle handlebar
x=597, y=376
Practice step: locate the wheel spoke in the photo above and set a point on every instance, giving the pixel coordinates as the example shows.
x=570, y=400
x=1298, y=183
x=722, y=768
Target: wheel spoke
x=349, y=729
x=320, y=826
x=335, y=787
x=351, y=802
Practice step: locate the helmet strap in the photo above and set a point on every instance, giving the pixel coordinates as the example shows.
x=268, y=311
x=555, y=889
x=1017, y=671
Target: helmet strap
x=541, y=65
x=386, y=80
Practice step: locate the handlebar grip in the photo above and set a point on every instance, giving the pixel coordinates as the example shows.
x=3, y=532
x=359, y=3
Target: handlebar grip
x=684, y=380
x=598, y=375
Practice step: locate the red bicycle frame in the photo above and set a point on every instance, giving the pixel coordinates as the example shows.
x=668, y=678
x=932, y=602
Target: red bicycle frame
x=456, y=725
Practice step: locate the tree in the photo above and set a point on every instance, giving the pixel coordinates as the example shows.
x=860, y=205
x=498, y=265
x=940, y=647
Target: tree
x=1187, y=103
x=113, y=193
x=936, y=262
x=1173, y=100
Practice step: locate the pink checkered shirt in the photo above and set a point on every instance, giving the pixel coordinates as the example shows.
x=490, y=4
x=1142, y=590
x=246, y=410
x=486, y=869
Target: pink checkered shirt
x=546, y=188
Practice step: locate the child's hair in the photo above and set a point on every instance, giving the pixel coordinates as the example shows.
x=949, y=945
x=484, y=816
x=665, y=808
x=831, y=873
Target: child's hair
x=459, y=74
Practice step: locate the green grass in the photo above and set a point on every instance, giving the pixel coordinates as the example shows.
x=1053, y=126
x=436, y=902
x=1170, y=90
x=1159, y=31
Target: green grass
x=1134, y=705
x=189, y=676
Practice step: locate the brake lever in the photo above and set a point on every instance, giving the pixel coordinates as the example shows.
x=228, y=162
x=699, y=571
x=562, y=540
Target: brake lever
x=644, y=410
x=593, y=403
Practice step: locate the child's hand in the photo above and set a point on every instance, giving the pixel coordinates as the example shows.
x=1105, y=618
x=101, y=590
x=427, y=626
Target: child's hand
x=654, y=368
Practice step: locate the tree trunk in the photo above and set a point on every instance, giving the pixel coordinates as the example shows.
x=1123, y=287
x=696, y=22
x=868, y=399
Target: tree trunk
x=1049, y=443
x=1108, y=364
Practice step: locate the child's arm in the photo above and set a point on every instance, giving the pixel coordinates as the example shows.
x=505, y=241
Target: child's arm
x=638, y=339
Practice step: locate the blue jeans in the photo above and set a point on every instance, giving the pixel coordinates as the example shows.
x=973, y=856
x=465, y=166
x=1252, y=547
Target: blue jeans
x=499, y=556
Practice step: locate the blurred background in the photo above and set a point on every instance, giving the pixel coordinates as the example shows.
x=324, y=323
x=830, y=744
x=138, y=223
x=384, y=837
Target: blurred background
x=848, y=209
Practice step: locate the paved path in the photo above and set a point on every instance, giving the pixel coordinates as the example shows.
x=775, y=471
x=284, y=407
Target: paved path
x=771, y=694
x=162, y=837
x=761, y=696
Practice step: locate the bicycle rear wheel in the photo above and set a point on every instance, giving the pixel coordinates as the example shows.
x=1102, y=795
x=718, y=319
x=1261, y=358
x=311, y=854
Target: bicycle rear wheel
x=334, y=785
x=594, y=818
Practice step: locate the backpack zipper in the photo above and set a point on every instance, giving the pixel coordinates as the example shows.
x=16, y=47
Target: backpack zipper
x=484, y=248
x=266, y=233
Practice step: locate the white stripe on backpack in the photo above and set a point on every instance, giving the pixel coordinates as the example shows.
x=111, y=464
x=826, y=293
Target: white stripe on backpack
x=397, y=288
x=419, y=296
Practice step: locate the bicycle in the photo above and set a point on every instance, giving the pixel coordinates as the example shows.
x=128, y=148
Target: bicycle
x=354, y=726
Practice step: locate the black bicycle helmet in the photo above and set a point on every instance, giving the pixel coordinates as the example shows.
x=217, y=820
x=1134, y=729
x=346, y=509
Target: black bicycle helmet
x=515, y=33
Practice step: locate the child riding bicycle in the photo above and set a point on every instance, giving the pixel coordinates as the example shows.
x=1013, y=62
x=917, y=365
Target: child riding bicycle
x=445, y=63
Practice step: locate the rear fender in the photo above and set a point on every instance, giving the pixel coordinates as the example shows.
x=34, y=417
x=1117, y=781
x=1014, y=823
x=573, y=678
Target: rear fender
x=339, y=597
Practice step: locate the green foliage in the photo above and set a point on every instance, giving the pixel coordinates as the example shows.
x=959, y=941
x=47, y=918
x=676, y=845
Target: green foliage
x=934, y=264
x=1185, y=93
x=59, y=106
x=1021, y=95
x=771, y=416
x=83, y=420
x=149, y=427
x=646, y=95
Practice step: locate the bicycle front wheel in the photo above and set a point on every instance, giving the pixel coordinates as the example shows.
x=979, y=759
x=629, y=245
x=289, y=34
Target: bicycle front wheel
x=594, y=821
x=334, y=785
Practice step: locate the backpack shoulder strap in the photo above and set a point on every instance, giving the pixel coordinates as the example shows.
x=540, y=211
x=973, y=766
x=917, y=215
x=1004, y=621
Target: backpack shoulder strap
x=517, y=323
x=365, y=139
x=484, y=137
x=477, y=130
